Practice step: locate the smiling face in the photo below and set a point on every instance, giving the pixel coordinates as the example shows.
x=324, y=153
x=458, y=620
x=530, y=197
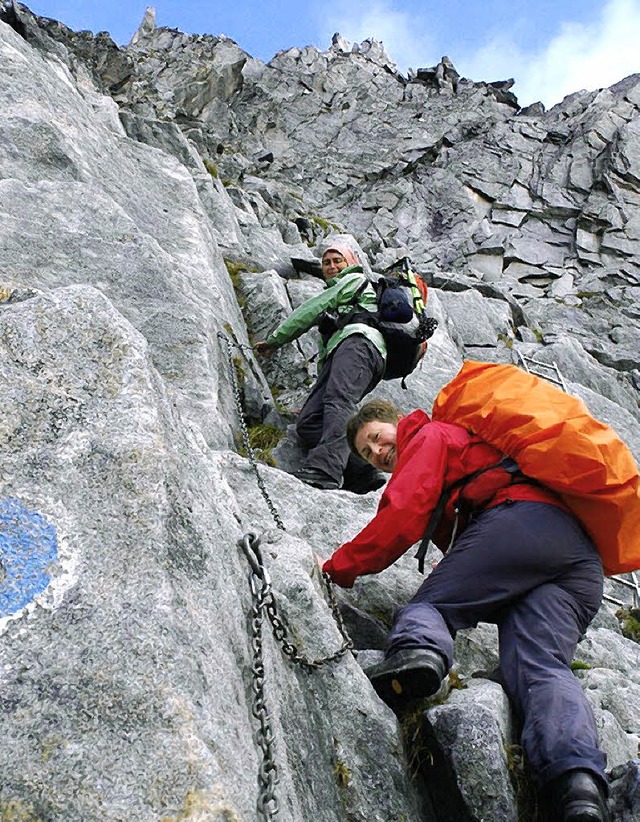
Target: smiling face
x=332, y=263
x=376, y=443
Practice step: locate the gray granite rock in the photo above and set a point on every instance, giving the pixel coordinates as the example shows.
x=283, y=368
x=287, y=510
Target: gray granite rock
x=131, y=697
x=156, y=201
x=625, y=792
x=470, y=735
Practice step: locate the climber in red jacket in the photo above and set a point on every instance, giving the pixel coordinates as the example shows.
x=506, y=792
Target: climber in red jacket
x=515, y=557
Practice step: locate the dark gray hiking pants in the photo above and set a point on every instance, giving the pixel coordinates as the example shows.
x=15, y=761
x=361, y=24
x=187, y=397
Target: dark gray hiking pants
x=530, y=569
x=353, y=369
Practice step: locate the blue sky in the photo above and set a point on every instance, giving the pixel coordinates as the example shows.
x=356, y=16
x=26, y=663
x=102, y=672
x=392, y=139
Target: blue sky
x=551, y=47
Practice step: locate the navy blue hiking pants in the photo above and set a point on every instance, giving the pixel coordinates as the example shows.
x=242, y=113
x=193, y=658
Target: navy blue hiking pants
x=352, y=369
x=529, y=568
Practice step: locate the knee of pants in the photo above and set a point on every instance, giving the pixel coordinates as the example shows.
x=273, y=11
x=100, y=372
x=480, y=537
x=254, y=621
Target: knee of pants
x=542, y=630
x=417, y=618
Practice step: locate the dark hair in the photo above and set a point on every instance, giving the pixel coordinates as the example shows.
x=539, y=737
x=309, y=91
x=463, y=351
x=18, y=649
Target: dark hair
x=380, y=410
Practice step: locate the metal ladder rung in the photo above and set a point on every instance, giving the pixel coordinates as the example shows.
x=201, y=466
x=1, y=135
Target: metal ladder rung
x=533, y=366
x=634, y=585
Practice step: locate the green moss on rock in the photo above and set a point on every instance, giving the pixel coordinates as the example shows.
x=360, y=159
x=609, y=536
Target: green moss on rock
x=263, y=439
x=630, y=622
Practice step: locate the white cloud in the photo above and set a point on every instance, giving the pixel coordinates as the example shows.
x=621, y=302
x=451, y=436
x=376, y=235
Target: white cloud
x=580, y=56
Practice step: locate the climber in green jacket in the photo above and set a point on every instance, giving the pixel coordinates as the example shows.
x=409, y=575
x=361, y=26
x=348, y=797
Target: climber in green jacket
x=351, y=363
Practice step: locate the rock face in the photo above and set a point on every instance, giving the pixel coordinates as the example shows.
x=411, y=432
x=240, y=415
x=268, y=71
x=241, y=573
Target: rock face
x=162, y=199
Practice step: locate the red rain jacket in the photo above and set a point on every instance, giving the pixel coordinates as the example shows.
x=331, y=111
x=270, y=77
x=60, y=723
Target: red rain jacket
x=431, y=457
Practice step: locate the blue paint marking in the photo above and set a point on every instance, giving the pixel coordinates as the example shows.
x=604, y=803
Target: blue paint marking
x=28, y=551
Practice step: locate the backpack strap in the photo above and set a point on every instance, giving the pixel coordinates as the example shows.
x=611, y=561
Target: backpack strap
x=345, y=319
x=508, y=464
x=328, y=322
x=359, y=291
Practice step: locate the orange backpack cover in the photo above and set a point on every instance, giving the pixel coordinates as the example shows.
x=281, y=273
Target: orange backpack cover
x=554, y=440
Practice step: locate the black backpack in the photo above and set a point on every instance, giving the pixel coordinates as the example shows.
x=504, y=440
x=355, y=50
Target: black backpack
x=401, y=319
x=403, y=322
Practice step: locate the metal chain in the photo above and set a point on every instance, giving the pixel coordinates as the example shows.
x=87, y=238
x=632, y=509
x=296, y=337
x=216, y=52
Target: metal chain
x=289, y=649
x=267, y=803
x=263, y=600
x=245, y=433
x=260, y=581
x=250, y=544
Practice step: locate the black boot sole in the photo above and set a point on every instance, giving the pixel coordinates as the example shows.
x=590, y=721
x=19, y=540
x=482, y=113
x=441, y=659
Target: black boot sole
x=400, y=687
x=581, y=811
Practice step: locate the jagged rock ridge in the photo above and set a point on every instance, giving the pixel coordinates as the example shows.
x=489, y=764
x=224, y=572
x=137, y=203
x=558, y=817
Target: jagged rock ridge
x=128, y=178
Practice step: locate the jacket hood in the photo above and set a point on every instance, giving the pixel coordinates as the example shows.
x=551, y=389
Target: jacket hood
x=351, y=258
x=409, y=426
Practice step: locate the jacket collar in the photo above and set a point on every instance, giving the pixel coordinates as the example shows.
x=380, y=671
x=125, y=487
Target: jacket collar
x=349, y=270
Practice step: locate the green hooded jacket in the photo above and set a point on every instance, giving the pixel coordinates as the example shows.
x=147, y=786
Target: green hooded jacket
x=337, y=296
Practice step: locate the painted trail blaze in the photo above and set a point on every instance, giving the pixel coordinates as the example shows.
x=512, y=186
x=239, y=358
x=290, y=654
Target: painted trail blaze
x=28, y=551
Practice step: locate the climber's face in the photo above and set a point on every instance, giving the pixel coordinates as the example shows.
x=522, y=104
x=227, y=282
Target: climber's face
x=376, y=443
x=332, y=263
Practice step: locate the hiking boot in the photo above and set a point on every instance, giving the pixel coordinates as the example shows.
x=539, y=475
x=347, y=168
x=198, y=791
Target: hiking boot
x=578, y=796
x=369, y=481
x=414, y=673
x=317, y=478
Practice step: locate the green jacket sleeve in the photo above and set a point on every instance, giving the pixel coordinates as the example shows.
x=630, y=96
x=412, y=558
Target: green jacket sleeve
x=339, y=293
